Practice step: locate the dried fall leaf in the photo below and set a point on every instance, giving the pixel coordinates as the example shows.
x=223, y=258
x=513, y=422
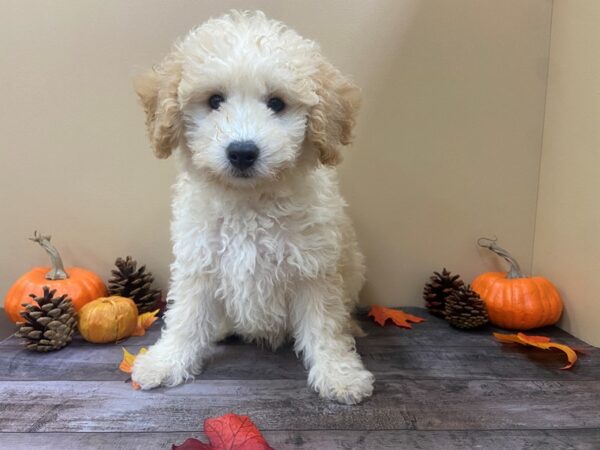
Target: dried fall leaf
x=192, y=444
x=228, y=432
x=542, y=342
x=400, y=318
x=144, y=322
x=126, y=364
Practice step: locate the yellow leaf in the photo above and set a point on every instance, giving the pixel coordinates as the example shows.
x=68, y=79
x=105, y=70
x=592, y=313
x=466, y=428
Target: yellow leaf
x=400, y=318
x=542, y=342
x=144, y=322
x=126, y=364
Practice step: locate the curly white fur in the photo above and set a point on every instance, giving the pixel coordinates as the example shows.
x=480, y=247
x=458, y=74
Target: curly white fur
x=271, y=255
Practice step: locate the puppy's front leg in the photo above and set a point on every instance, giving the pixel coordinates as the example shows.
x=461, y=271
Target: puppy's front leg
x=192, y=324
x=321, y=331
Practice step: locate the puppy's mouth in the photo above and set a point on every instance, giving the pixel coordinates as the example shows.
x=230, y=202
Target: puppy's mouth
x=243, y=174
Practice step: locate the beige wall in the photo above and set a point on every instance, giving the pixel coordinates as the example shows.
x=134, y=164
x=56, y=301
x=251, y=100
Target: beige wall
x=448, y=144
x=567, y=242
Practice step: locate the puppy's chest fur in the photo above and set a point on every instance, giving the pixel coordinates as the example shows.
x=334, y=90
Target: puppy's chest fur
x=262, y=252
x=255, y=250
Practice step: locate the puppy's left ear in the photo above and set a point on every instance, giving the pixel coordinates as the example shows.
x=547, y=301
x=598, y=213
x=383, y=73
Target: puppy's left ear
x=331, y=120
x=157, y=90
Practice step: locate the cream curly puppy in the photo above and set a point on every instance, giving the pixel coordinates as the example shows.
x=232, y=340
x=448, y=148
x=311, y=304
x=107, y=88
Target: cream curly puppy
x=263, y=247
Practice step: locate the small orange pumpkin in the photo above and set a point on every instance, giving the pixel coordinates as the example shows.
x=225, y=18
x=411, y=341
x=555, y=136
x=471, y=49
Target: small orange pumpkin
x=108, y=319
x=515, y=301
x=81, y=285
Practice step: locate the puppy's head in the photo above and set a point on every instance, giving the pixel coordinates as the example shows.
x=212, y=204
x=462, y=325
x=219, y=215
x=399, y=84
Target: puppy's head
x=247, y=99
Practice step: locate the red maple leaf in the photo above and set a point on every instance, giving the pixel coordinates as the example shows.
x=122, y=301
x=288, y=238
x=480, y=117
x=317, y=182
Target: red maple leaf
x=228, y=432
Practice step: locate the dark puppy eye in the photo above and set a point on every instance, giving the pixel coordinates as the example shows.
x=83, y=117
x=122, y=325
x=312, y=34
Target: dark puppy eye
x=215, y=101
x=276, y=104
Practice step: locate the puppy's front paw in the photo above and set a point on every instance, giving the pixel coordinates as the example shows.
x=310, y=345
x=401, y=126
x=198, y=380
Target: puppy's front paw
x=150, y=372
x=342, y=384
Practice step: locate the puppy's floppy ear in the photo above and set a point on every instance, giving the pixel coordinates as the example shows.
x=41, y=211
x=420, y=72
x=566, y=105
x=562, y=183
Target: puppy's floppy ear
x=332, y=119
x=157, y=90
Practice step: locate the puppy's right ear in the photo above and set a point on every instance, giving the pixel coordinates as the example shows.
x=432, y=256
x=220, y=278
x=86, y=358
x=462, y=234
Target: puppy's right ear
x=157, y=89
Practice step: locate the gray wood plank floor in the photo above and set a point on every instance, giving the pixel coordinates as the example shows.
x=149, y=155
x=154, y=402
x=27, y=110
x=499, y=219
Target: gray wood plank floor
x=437, y=388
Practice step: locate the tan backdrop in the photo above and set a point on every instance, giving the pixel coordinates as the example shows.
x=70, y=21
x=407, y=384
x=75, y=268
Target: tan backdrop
x=567, y=243
x=448, y=145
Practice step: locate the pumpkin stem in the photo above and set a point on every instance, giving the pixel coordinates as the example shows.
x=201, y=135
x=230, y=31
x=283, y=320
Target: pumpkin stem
x=58, y=270
x=515, y=270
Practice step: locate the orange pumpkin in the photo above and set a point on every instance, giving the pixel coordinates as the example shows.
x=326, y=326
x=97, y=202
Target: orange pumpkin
x=108, y=319
x=515, y=301
x=81, y=285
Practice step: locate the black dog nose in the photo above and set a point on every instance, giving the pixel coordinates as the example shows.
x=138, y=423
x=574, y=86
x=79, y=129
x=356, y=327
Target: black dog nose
x=242, y=154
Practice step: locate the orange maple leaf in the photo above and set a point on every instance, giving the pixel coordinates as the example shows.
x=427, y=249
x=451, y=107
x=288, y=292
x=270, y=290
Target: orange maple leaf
x=400, y=318
x=126, y=364
x=144, y=322
x=542, y=342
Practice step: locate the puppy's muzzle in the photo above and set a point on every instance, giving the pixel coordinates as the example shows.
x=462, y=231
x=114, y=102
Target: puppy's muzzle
x=242, y=154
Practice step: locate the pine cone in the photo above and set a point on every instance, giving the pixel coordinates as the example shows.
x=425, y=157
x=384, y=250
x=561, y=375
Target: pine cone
x=134, y=284
x=438, y=289
x=49, y=322
x=465, y=309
